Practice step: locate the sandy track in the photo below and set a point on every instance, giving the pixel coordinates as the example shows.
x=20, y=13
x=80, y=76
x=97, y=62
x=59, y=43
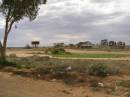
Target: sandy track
x=97, y=59
x=16, y=86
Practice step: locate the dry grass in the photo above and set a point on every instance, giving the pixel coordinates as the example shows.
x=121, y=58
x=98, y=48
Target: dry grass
x=76, y=72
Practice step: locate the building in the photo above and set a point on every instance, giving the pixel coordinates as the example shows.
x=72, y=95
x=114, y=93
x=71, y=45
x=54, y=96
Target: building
x=104, y=43
x=121, y=45
x=112, y=44
x=86, y=44
x=59, y=45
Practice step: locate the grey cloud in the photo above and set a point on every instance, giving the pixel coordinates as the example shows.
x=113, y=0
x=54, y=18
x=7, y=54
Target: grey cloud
x=101, y=1
x=60, y=24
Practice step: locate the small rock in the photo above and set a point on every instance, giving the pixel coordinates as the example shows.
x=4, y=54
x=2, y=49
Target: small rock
x=53, y=80
x=69, y=68
x=100, y=84
x=38, y=75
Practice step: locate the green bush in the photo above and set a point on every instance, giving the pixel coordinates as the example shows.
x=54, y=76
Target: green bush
x=98, y=70
x=7, y=63
x=58, y=51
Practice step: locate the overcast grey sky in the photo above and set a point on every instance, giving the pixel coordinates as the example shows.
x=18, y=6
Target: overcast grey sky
x=71, y=21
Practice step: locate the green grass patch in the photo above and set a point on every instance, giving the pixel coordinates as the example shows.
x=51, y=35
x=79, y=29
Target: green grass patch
x=76, y=55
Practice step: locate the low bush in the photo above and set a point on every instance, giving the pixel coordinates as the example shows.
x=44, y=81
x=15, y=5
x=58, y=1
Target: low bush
x=58, y=51
x=124, y=83
x=94, y=83
x=43, y=71
x=114, y=70
x=7, y=63
x=98, y=70
x=12, y=55
x=38, y=58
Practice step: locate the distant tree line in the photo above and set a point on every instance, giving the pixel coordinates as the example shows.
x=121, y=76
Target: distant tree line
x=84, y=45
x=88, y=45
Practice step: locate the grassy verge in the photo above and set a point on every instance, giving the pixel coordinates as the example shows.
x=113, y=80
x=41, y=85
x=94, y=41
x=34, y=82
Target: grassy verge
x=75, y=55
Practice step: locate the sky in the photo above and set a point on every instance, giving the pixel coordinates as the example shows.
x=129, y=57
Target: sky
x=72, y=21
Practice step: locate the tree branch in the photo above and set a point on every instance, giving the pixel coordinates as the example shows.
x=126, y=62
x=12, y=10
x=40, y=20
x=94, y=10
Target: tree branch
x=8, y=15
x=7, y=21
x=10, y=26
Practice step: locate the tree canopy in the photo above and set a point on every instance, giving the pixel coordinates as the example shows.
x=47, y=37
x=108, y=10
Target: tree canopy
x=14, y=11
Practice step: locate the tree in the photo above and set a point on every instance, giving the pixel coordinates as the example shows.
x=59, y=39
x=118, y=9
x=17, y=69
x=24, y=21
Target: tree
x=14, y=11
x=35, y=43
x=27, y=46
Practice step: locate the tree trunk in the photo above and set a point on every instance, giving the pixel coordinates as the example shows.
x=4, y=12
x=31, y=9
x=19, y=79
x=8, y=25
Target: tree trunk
x=2, y=54
x=8, y=27
x=3, y=48
x=0, y=50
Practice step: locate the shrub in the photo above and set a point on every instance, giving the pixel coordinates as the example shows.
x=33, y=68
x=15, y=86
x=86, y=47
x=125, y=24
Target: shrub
x=27, y=46
x=98, y=70
x=47, y=50
x=12, y=55
x=43, y=71
x=58, y=51
x=124, y=83
x=7, y=63
x=94, y=83
x=69, y=53
x=114, y=70
x=38, y=58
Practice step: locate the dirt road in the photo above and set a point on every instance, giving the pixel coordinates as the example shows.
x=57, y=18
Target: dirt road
x=16, y=86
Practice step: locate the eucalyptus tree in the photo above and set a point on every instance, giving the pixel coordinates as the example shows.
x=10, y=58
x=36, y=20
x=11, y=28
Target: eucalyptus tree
x=14, y=11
